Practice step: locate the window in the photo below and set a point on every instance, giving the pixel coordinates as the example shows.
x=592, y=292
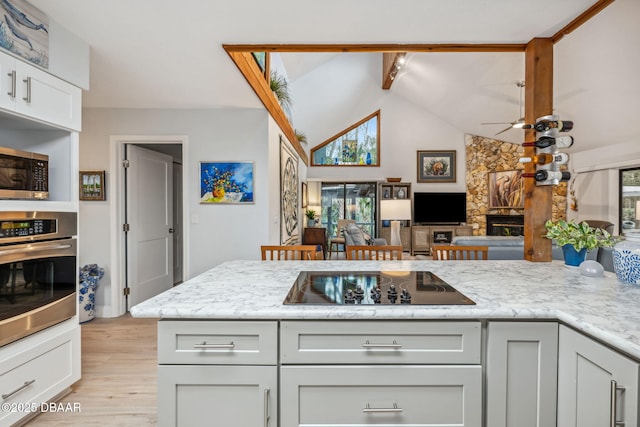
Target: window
x=356, y=201
x=358, y=145
x=630, y=198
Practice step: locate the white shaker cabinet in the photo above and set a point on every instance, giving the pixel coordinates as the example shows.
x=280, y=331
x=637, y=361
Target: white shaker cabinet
x=392, y=373
x=522, y=374
x=37, y=369
x=229, y=396
x=35, y=94
x=361, y=395
x=221, y=373
x=597, y=386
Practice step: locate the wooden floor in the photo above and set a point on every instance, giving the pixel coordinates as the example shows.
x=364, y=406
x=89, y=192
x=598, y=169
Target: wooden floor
x=118, y=385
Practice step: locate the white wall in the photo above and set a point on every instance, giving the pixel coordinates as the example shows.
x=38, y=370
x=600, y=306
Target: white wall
x=597, y=180
x=404, y=127
x=215, y=233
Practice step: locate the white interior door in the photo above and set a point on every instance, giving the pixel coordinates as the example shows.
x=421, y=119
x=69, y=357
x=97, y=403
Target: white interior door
x=150, y=219
x=177, y=223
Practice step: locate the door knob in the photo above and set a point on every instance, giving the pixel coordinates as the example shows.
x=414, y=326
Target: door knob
x=171, y=230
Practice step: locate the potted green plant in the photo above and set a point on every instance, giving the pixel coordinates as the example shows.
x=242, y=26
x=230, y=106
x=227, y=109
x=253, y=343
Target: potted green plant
x=301, y=137
x=576, y=239
x=280, y=88
x=311, y=217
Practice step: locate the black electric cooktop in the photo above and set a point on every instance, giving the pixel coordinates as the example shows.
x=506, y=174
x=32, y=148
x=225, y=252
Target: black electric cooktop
x=373, y=287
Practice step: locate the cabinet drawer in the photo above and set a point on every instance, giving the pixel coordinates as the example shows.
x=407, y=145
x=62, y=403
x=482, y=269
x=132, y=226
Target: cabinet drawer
x=345, y=342
x=405, y=395
x=217, y=342
x=37, y=375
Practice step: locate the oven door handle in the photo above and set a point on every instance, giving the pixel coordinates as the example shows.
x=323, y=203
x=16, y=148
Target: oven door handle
x=38, y=248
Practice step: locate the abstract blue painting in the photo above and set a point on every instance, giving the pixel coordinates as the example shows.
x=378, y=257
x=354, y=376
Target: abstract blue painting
x=24, y=30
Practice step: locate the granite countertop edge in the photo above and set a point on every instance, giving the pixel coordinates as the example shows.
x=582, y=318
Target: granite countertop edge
x=602, y=308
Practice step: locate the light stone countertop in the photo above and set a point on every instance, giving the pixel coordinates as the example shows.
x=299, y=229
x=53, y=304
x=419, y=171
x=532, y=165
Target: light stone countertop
x=603, y=308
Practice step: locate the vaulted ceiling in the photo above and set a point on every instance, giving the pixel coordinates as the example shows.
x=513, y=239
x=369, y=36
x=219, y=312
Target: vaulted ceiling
x=162, y=54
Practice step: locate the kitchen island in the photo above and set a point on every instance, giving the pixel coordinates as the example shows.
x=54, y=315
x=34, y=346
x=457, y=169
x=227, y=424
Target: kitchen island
x=244, y=299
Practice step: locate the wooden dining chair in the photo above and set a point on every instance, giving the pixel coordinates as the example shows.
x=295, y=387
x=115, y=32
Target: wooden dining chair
x=374, y=252
x=464, y=253
x=289, y=252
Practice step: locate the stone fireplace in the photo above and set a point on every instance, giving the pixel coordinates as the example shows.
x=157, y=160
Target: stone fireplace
x=484, y=155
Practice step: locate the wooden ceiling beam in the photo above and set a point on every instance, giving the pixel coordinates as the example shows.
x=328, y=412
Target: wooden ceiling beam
x=581, y=19
x=391, y=64
x=256, y=79
x=376, y=48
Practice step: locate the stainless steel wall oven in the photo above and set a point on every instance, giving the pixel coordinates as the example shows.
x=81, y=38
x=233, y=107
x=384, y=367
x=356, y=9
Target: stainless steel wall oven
x=38, y=271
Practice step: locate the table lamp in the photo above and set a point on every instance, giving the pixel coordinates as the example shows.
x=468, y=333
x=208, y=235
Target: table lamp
x=395, y=210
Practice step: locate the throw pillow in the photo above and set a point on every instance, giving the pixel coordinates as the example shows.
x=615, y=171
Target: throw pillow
x=368, y=238
x=356, y=235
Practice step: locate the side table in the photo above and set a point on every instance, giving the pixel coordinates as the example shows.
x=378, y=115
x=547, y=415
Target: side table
x=316, y=236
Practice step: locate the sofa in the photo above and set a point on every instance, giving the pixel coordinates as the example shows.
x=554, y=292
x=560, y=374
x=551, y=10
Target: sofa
x=512, y=248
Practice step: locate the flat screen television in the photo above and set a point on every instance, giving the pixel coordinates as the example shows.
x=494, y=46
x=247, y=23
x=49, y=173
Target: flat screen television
x=439, y=208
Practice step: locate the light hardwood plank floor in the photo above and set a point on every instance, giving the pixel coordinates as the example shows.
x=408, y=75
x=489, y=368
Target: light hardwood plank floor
x=118, y=385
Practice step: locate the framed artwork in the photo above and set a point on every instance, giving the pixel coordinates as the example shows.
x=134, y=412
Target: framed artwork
x=92, y=185
x=289, y=195
x=25, y=32
x=305, y=195
x=226, y=182
x=437, y=166
x=506, y=189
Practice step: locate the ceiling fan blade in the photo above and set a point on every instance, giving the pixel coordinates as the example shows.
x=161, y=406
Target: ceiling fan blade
x=504, y=130
x=496, y=123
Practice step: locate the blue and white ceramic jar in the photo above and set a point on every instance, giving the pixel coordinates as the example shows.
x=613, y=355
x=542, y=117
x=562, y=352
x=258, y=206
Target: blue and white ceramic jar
x=626, y=258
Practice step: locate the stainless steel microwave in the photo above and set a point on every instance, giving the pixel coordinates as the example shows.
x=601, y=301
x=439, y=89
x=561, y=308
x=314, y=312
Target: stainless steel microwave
x=23, y=175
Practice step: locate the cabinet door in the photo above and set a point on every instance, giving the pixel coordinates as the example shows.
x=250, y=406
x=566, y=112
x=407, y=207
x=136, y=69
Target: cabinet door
x=588, y=373
x=421, y=239
x=230, y=396
x=522, y=374
x=44, y=97
x=359, y=395
x=464, y=230
x=8, y=82
x=39, y=373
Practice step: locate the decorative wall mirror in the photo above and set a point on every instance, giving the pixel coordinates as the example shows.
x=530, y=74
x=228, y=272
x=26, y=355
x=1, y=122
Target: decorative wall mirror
x=358, y=145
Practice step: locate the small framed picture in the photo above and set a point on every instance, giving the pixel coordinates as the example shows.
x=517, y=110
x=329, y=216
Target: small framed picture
x=437, y=166
x=305, y=195
x=92, y=185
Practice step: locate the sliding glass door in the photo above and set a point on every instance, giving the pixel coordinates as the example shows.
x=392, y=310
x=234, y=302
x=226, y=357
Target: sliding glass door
x=356, y=201
x=630, y=198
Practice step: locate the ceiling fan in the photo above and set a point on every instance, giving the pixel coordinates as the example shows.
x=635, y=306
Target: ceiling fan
x=516, y=124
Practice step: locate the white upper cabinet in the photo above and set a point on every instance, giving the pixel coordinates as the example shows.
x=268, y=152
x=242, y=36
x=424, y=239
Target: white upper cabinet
x=8, y=80
x=37, y=95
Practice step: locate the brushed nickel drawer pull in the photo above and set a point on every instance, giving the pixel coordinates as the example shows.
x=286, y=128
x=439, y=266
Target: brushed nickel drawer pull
x=266, y=407
x=368, y=409
x=12, y=93
x=19, y=389
x=613, y=415
x=28, y=97
x=367, y=344
x=205, y=346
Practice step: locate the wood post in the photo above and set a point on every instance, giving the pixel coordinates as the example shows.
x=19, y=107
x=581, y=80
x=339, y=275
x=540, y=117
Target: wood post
x=538, y=101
